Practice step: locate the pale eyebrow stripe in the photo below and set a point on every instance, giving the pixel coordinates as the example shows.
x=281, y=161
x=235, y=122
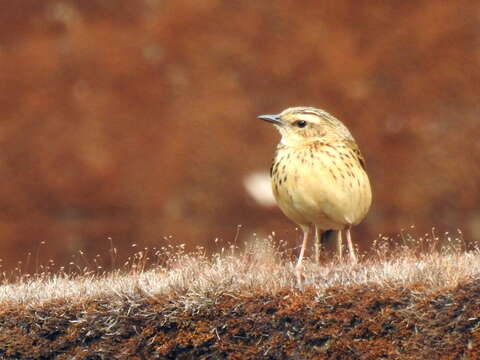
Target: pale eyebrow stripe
x=308, y=116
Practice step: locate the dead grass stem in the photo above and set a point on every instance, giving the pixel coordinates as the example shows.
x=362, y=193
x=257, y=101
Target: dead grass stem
x=261, y=266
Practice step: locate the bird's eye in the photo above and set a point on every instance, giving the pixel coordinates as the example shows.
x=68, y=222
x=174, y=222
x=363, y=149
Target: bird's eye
x=301, y=123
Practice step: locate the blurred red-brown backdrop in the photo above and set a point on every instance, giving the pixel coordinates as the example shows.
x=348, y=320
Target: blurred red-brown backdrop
x=135, y=120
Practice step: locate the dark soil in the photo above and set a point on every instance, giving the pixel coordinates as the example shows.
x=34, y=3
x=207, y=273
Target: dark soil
x=366, y=322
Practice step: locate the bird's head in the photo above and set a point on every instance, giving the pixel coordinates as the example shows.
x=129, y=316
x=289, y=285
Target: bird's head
x=301, y=125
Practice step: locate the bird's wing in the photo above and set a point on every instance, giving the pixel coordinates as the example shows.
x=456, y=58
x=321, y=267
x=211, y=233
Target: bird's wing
x=357, y=153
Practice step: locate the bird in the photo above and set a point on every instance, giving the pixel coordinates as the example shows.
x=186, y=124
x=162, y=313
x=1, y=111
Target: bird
x=318, y=177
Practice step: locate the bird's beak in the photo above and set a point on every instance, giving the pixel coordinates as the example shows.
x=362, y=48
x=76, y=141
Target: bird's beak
x=274, y=119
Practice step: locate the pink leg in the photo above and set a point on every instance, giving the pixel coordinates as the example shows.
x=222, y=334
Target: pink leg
x=339, y=245
x=318, y=244
x=298, y=267
x=351, y=250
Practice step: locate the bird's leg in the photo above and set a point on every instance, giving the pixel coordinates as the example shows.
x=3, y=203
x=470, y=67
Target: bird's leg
x=318, y=244
x=298, y=267
x=339, y=245
x=351, y=249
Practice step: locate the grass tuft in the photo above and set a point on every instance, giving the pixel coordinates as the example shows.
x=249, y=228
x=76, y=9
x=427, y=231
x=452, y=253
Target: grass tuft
x=409, y=299
x=262, y=265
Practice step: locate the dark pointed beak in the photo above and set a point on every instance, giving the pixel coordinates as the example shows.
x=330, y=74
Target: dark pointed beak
x=274, y=119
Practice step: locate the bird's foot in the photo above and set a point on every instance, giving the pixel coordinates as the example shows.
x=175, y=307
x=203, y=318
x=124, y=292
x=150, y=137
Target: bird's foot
x=299, y=276
x=353, y=259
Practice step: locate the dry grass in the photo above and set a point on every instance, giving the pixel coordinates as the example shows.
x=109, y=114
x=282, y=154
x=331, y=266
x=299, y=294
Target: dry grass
x=261, y=266
x=419, y=299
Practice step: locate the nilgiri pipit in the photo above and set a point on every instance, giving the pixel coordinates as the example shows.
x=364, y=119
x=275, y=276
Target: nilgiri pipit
x=318, y=176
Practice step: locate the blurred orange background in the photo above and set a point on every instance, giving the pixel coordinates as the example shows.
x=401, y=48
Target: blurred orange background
x=136, y=120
